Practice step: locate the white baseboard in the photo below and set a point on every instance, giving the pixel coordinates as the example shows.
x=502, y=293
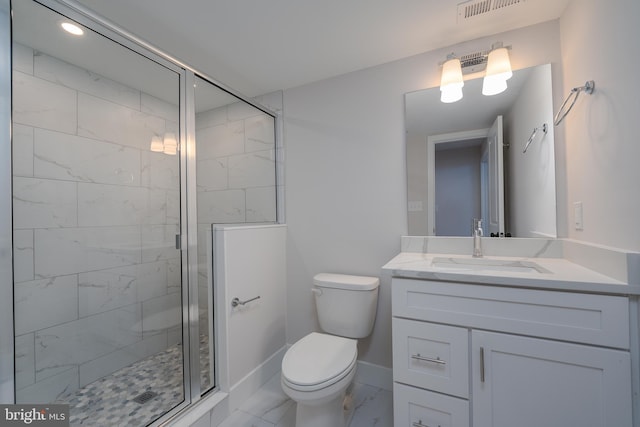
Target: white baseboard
x=248, y=385
x=374, y=375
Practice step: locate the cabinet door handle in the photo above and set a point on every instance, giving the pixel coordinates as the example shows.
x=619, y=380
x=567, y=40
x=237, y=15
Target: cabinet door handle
x=419, y=424
x=428, y=359
x=481, y=364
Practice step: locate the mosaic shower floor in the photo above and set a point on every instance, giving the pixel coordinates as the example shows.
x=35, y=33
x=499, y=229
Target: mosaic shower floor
x=108, y=402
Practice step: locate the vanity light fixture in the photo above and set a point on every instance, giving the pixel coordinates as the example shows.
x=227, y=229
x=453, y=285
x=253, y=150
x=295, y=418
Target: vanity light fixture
x=498, y=70
x=495, y=61
x=170, y=144
x=157, y=145
x=451, y=82
x=72, y=28
x=167, y=144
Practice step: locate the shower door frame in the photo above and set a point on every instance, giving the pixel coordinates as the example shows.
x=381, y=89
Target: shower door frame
x=87, y=18
x=7, y=381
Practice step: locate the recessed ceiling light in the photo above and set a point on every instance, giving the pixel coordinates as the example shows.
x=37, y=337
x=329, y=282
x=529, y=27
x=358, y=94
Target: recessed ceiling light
x=72, y=28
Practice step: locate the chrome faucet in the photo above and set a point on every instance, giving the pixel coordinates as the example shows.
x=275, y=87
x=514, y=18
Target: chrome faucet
x=477, y=234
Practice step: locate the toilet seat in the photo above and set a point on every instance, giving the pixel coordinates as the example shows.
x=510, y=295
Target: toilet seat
x=318, y=361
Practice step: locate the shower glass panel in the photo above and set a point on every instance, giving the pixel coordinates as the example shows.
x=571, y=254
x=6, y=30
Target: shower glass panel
x=236, y=184
x=96, y=205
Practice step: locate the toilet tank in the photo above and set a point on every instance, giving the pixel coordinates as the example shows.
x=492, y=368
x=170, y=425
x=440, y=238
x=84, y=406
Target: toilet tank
x=346, y=304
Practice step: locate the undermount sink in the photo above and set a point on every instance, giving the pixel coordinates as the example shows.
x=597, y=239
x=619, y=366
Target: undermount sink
x=487, y=264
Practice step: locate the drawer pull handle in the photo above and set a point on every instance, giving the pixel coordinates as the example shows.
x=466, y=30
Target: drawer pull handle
x=428, y=359
x=419, y=424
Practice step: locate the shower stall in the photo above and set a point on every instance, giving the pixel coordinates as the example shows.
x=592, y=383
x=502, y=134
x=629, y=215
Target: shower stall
x=116, y=162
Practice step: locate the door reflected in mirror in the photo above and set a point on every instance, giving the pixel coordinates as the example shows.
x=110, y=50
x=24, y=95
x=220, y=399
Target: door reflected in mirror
x=465, y=160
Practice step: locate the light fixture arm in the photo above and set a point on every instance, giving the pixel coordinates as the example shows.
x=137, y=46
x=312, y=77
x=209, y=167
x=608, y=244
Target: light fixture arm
x=588, y=88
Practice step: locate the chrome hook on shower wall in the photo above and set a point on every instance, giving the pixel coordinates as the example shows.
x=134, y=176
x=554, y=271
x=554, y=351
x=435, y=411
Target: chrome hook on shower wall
x=588, y=88
x=542, y=128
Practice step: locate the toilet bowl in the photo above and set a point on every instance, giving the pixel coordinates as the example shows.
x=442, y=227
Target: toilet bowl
x=316, y=372
x=318, y=369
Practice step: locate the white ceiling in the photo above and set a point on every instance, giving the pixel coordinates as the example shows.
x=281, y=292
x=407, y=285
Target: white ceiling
x=259, y=46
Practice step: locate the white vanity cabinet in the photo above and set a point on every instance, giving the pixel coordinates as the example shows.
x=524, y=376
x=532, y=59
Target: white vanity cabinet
x=495, y=356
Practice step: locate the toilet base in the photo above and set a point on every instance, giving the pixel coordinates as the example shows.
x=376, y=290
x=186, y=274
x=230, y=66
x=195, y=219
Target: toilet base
x=328, y=414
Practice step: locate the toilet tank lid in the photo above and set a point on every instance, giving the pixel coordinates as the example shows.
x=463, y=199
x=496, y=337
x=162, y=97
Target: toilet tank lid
x=346, y=281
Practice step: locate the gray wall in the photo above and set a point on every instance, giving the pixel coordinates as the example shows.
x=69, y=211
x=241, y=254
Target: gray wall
x=345, y=178
x=598, y=42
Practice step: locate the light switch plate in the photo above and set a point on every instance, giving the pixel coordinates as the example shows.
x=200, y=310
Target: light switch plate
x=415, y=206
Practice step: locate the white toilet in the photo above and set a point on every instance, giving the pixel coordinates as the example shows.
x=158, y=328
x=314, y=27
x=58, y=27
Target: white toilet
x=317, y=370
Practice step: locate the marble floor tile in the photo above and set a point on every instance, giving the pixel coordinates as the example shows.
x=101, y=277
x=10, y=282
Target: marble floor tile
x=269, y=402
x=242, y=419
x=289, y=419
x=372, y=406
x=367, y=406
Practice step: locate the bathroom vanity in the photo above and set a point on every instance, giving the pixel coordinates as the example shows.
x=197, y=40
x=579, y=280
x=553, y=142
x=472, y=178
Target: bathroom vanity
x=512, y=341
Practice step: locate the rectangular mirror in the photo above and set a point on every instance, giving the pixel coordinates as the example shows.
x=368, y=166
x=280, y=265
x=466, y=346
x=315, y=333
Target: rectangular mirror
x=456, y=170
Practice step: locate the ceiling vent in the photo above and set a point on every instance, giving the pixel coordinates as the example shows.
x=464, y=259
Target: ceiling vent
x=474, y=8
x=474, y=62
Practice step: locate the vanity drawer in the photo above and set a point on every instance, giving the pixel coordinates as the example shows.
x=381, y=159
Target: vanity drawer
x=431, y=356
x=413, y=407
x=584, y=318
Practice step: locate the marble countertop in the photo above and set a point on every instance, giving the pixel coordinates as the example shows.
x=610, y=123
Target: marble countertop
x=560, y=274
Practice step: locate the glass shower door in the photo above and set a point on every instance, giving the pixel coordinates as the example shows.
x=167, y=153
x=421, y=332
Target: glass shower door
x=96, y=204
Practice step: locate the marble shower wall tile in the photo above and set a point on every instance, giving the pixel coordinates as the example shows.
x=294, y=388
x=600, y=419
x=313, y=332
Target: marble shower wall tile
x=252, y=170
x=49, y=389
x=159, y=170
x=220, y=141
x=22, y=57
x=104, y=290
x=65, y=74
x=210, y=118
x=173, y=206
x=212, y=174
x=111, y=205
x=174, y=275
x=23, y=256
x=158, y=107
x=22, y=150
x=259, y=133
x=152, y=280
x=71, y=344
x=112, y=362
x=261, y=204
x=25, y=360
x=43, y=104
x=73, y=158
x=241, y=110
x=45, y=302
x=226, y=206
x=160, y=314
x=39, y=203
x=77, y=250
x=106, y=121
x=159, y=242
x=91, y=202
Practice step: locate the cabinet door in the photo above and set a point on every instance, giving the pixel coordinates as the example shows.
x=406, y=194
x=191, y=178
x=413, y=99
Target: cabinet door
x=414, y=407
x=527, y=382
